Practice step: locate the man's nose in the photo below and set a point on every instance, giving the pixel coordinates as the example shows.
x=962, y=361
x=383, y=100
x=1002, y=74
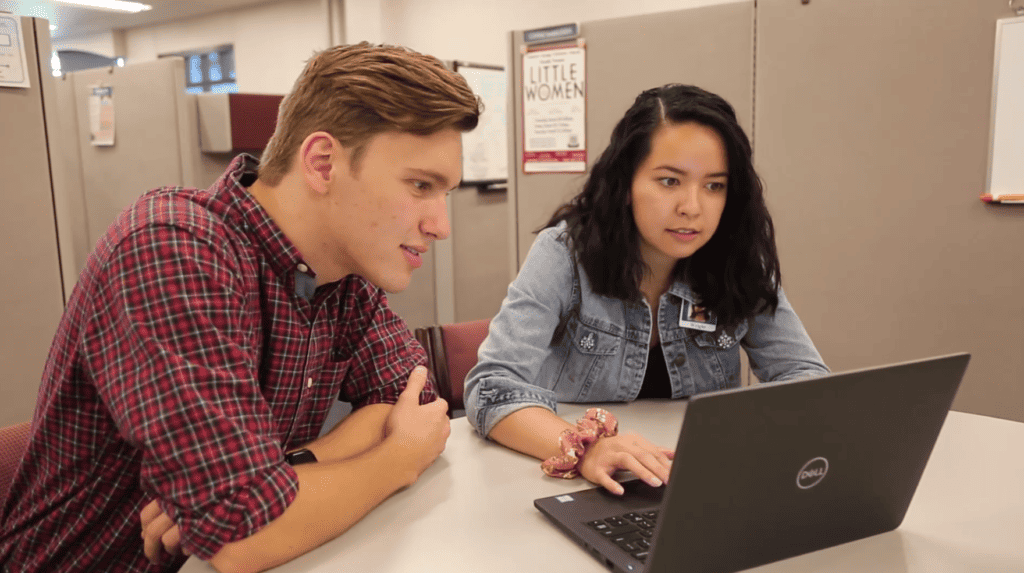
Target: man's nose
x=436, y=223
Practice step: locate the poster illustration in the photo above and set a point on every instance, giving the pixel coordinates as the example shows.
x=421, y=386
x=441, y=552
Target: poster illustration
x=554, y=109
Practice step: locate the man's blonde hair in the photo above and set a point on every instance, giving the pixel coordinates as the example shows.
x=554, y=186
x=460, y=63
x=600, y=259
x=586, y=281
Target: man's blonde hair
x=355, y=92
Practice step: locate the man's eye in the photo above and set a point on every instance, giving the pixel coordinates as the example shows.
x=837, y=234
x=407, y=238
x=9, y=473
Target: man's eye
x=421, y=185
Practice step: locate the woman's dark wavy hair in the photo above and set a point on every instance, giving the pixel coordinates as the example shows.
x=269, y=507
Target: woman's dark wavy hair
x=736, y=274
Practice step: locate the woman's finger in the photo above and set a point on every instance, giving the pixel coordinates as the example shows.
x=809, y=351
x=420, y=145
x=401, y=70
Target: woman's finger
x=658, y=466
x=628, y=462
x=607, y=482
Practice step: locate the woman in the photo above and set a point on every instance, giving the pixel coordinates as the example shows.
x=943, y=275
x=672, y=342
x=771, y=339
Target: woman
x=670, y=229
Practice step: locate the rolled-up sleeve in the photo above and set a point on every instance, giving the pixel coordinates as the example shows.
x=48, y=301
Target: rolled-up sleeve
x=779, y=347
x=505, y=378
x=169, y=346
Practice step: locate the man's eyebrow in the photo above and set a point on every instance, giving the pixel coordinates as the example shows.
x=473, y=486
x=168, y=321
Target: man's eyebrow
x=683, y=172
x=434, y=176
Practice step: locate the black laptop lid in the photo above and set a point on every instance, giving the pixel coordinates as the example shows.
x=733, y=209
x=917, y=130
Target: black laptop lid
x=777, y=470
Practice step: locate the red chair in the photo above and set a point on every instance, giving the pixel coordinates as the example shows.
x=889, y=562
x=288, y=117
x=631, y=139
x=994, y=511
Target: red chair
x=13, y=442
x=451, y=351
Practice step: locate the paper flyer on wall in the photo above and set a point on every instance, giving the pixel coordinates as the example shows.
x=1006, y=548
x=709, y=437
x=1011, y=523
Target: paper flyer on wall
x=101, y=116
x=554, y=108
x=13, y=63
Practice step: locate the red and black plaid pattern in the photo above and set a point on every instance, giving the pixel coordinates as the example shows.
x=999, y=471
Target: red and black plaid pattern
x=185, y=364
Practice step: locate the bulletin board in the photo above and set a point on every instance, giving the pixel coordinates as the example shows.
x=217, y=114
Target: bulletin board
x=485, y=149
x=1006, y=148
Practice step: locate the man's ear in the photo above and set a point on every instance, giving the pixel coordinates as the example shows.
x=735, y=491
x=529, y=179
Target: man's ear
x=317, y=157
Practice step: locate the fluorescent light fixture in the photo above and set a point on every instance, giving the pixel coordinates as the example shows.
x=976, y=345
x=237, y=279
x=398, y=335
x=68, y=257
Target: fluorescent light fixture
x=115, y=5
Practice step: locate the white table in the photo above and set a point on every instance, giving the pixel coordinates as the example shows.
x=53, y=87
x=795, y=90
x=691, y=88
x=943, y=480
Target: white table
x=473, y=510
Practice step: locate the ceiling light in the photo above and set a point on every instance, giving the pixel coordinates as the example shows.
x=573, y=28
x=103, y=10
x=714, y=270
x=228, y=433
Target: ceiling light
x=115, y=5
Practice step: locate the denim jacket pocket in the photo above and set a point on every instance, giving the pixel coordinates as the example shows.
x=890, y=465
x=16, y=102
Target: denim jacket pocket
x=589, y=351
x=720, y=356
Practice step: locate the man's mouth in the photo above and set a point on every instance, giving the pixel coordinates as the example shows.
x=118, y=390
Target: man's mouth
x=414, y=255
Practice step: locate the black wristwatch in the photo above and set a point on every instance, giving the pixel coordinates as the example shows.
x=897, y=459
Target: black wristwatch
x=302, y=456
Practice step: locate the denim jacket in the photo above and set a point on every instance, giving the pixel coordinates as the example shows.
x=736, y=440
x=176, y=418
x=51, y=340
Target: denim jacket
x=602, y=354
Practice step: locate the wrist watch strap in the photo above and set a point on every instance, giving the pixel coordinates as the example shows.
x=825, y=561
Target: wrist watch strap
x=302, y=456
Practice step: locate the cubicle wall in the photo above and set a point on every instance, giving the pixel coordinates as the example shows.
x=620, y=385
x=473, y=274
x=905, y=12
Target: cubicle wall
x=156, y=143
x=872, y=135
x=61, y=192
x=711, y=47
x=31, y=299
x=870, y=123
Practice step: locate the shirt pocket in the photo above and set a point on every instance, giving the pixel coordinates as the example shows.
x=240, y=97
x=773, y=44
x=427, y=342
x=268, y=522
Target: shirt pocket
x=719, y=353
x=590, y=353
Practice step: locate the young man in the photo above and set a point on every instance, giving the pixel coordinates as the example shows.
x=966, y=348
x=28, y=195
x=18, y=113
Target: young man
x=211, y=331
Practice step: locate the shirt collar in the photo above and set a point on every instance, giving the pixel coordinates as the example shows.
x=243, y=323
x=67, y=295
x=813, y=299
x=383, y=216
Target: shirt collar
x=682, y=290
x=247, y=215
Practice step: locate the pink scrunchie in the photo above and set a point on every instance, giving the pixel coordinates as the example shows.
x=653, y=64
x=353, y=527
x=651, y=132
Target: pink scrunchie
x=596, y=423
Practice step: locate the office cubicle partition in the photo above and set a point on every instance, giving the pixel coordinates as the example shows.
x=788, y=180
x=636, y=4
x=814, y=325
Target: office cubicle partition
x=31, y=297
x=872, y=135
x=711, y=47
x=870, y=124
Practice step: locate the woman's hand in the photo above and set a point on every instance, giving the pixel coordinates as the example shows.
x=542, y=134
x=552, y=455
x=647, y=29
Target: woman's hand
x=630, y=452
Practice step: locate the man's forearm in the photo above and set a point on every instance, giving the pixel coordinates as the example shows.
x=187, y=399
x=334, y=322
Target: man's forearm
x=332, y=496
x=357, y=433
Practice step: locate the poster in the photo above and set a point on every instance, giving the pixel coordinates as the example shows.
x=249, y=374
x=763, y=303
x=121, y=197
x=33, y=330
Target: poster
x=101, y=116
x=13, y=63
x=554, y=109
x=485, y=149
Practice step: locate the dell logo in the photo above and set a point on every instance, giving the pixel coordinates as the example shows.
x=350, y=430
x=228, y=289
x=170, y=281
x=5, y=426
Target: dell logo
x=812, y=473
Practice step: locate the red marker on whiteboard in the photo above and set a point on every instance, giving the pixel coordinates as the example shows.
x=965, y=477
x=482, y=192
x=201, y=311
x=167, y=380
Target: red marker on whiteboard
x=1011, y=198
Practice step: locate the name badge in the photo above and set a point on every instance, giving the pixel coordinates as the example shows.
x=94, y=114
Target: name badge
x=697, y=317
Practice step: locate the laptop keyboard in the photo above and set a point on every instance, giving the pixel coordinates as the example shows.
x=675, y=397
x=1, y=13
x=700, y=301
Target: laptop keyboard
x=630, y=531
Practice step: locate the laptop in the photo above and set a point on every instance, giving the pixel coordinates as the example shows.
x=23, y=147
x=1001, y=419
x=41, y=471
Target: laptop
x=775, y=470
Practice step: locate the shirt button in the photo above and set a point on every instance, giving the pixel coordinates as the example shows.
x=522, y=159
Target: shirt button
x=309, y=383
x=303, y=268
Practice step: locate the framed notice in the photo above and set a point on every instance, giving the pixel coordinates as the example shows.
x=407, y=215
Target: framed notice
x=1006, y=143
x=13, y=62
x=485, y=149
x=555, y=108
x=101, y=116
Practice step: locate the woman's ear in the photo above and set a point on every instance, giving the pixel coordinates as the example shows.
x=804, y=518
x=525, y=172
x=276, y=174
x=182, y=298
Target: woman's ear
x=317, y=155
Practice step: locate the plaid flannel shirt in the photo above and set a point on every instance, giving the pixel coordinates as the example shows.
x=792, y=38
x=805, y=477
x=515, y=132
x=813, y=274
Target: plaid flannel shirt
x=188, y=360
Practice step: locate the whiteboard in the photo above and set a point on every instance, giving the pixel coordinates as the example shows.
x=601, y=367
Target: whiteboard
x=485, y=149
x=1006, y=149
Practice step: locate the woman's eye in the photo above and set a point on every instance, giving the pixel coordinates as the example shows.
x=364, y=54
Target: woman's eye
x=421, y=186
x=716, y=186
x=668, y=181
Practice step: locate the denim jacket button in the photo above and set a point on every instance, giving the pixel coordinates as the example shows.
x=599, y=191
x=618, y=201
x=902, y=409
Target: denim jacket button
x=725, y=340
x=587, y=342
x=679, y=360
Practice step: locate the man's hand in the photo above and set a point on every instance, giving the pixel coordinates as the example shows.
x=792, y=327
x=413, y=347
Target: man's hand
x=159, y=533
x=626, y=452
x=420, y=431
